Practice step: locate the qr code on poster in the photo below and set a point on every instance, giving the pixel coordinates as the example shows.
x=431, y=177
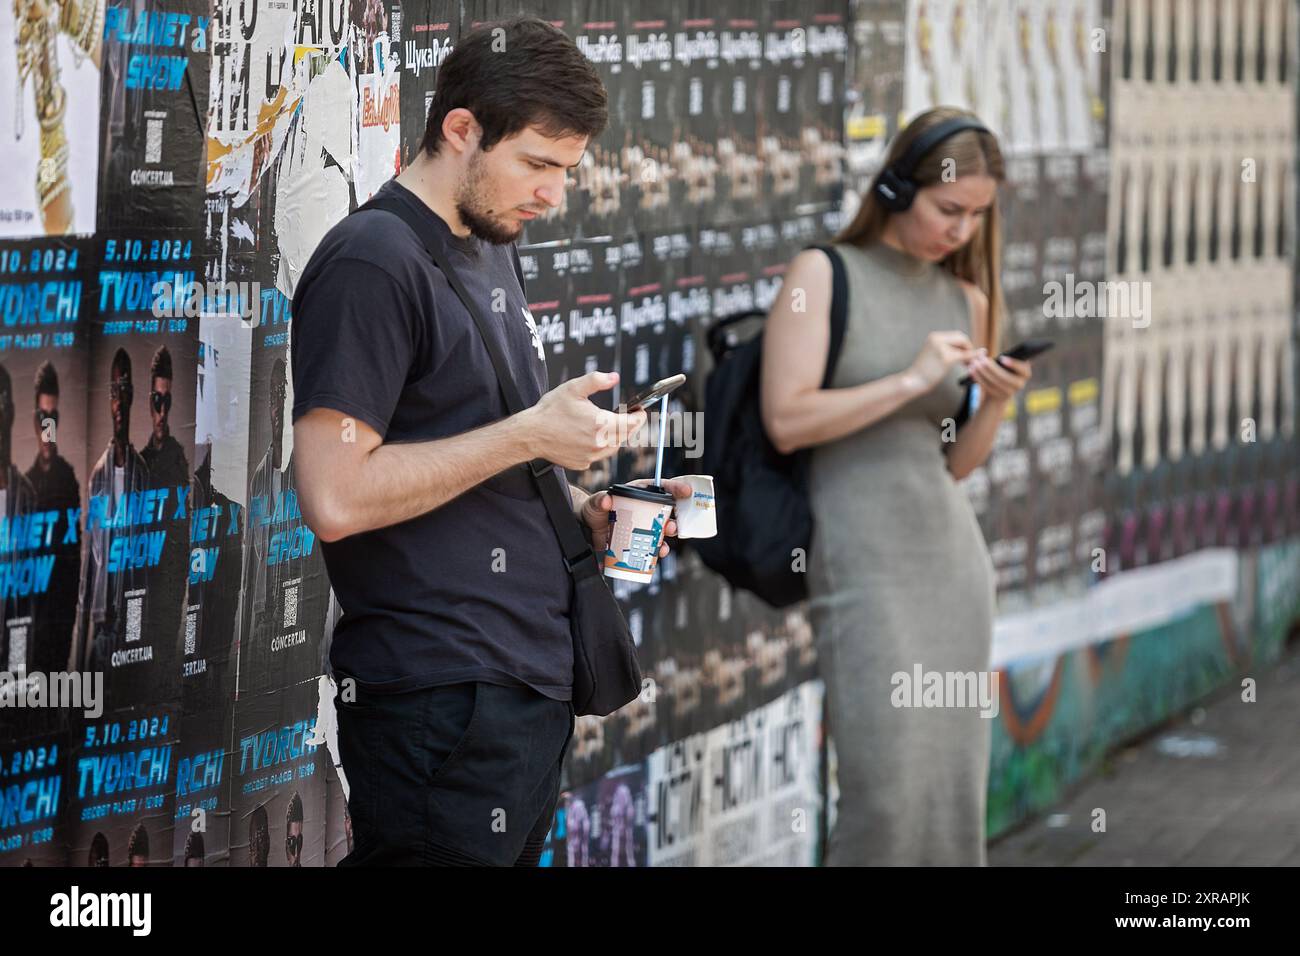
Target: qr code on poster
x=134, y=614
x=290, y=606
x=153, y=141
x=18, y=648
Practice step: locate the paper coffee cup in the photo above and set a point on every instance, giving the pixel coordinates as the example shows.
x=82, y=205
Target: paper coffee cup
x=636, y=529
x=696, y=516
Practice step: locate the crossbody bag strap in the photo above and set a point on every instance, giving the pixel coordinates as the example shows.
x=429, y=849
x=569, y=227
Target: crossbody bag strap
x=577, y=552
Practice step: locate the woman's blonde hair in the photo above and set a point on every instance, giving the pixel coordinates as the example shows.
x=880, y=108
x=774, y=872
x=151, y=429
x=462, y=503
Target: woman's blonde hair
x=980, y=259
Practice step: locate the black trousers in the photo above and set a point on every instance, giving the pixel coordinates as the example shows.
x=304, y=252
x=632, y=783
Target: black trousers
x=457, y=775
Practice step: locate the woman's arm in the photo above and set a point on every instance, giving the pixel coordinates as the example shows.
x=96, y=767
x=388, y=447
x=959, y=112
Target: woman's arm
x=797, y=412
x=975, y=438
x=997, y=387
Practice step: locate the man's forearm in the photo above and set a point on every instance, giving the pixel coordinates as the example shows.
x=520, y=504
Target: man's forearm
x=403, y=480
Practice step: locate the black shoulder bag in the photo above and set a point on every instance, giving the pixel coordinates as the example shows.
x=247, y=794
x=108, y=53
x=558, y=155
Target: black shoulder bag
x=606, y=675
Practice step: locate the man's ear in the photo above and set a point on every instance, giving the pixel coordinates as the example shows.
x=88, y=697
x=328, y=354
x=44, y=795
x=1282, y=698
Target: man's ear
x=461, y=130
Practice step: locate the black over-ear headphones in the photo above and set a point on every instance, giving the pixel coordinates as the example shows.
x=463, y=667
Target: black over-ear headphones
x=895, y=188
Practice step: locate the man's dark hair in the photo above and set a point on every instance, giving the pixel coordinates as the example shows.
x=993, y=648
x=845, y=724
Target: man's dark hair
x=98, y=855
x=259, y=837
x=47, y=380
x=194, y=846
x=514, y=74
x=139, y=843
x=121, y=364
x=161, y=366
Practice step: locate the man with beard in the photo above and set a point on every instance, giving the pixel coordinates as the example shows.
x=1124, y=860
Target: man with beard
x=164, y=454
x=103, y=614
x=16, y=500
x=56, y=488
x=454, y=654
x=168, y=471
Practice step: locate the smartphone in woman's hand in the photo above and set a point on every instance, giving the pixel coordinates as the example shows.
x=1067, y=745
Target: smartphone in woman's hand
x=1022, y=352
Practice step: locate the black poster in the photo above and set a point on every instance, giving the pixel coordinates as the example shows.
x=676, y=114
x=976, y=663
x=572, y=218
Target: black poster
x=153, y=102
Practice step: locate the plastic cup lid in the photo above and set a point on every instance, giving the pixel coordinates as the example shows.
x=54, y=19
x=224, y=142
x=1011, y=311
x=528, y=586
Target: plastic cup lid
x=655, y=493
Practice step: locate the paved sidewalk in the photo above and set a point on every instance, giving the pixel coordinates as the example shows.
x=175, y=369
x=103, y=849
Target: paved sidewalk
x=1219, y=786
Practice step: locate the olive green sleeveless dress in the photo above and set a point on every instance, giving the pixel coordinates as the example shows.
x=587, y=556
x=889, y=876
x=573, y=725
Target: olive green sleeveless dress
x=899, y=576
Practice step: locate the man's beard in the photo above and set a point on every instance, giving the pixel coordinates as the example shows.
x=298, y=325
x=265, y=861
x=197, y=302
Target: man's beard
x=471, y=207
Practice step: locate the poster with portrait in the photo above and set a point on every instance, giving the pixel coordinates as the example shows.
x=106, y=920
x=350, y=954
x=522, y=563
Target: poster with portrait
x=143, y=341
x=285, y=593
x=201, y=807
x=603, y=823
x=121, y=779
x=278, y=780
x=49, y=117
x=218, y=510
x=47, y=299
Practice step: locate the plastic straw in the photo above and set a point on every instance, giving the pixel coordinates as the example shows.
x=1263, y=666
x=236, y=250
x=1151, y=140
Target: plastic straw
x=663, y=427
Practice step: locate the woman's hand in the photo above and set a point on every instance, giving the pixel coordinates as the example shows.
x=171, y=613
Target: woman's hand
x=999, y=378
x=942, y=350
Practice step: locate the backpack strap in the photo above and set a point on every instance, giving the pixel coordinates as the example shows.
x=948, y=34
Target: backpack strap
x=839, y=308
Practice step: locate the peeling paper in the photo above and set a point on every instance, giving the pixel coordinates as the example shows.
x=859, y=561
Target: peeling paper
x=312, y=188
x=240, y=150
x=326, y=730
x=377, y=133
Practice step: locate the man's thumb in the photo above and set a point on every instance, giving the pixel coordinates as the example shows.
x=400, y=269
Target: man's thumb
x=596, y=381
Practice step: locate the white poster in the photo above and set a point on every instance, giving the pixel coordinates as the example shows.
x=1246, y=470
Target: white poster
x=49, y=70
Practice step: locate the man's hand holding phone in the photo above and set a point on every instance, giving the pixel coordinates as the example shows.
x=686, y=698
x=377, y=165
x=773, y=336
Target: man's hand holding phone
x=567, y=428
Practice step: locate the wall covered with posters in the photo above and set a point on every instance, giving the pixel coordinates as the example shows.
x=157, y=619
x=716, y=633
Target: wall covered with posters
x=207, y=147
x=1141, y=502
x=1199, y=581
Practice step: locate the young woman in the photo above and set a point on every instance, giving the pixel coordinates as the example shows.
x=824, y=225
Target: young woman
x=899, y=574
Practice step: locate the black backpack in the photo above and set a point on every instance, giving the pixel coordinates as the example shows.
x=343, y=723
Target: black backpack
x=761, y=495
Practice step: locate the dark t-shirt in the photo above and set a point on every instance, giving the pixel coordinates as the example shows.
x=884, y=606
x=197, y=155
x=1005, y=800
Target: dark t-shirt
x=477, y=589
